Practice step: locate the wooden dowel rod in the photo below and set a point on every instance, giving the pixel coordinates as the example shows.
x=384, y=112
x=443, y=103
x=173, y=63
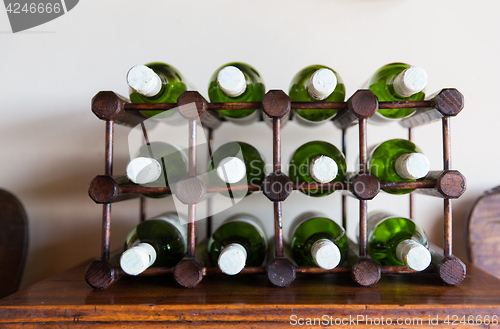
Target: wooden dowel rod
x=447, y=202
x=131, y=107
x=192, y=173
x=277, y=144
x=344, y=197
x=446, y=144
x=411, y=198
x=143, y=209
x=110, y=189
x=363, y=159
x=108, y=170
x=278, y=228
x=106, y=231
x=191, y=230
x=208, y=231
x=363, y=148
x=408, y=185
x=406, y=104
x=448, y=250
x=363, y=234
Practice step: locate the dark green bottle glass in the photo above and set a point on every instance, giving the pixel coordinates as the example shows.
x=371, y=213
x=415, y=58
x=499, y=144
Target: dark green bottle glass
x=240, y=241
x=396, y=240
x=317, y=162
x=397, y=82
x=398, y=160
x=150, y=163
x=162, y=84
x=236, y=163
x=237, y=82
x=158, y=242
x=313, y=84
x=317, y=241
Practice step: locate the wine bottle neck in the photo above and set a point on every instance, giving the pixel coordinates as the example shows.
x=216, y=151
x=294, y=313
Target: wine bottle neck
x=137, y=259
x=409, y=82
x=231, y=170
x=413, y=254
x=232, y=259
x=322, y=83
x=325, y=254
x=143, y=170
x=412, y=166
x=323, y=169
x=144, y=80
x=231, y=81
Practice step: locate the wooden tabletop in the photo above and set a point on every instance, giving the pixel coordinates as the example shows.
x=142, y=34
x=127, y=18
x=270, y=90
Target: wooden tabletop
x=250, y=301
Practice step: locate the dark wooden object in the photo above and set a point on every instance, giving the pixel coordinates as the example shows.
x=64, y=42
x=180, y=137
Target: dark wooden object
x=450, y=184
x=364, y=186
x=276, y=104
x=109, y=106
x=449, y=269
x=446, y=184
x=13, y=242
x=483, y=232
x=277, y=186
x=362, y=105
x=109, y=189
x=228, y=302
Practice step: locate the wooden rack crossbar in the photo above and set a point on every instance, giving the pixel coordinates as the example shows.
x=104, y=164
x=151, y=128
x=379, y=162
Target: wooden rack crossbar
x=294, y=106
x=446, y=184
x=110, y=189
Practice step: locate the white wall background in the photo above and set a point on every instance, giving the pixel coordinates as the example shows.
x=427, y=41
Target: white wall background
x=51, y=145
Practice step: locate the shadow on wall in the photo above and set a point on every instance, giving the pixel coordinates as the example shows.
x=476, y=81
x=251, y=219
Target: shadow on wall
x=49, y=165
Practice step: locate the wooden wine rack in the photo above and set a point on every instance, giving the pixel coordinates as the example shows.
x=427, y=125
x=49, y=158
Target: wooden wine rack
x=446, y=184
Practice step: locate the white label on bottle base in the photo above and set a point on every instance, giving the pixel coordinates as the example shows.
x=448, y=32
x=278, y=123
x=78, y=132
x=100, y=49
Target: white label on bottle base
x=323, y=169
x=232, y=259
x=144, y=80
x=322, y=84
x=412, y=166
x=231, y=170
x=413, y=254
x=409, y=82
x=232, y=81
x=326, y=254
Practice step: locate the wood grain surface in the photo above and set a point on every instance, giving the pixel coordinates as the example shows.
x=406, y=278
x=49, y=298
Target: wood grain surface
x=248, y=301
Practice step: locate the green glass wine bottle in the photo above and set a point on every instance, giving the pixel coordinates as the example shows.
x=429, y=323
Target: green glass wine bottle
x=317, y=162
x=396, y=240
x=312, y=84
x=316, y=240
x=157, y=165
x=155, y=83
x=158, y=242
x=398, y=160
x=237, y=163
x=397, y=82
x=237, y=82
x=240, y=241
